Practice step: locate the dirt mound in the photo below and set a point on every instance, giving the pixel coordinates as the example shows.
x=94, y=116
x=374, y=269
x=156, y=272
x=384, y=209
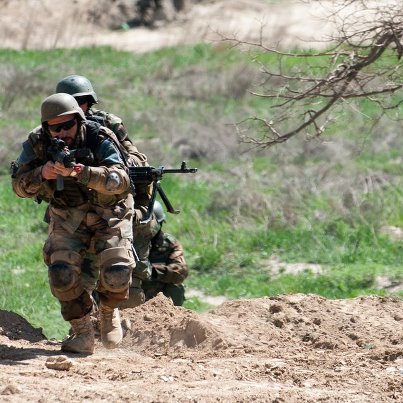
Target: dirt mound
x=158, y=327
x=295, y=348
x=285, y=321
x=14, y=327
x=315, y=322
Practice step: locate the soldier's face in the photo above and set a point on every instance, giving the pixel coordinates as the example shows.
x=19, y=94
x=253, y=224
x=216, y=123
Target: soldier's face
x=83, y=103
x=64, y=127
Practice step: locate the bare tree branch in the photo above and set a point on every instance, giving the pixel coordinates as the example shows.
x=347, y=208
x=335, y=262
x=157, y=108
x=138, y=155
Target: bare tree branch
x=356, y=65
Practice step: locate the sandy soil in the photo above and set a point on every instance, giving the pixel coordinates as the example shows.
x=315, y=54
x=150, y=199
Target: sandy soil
x=296, y=348
x=293, y=348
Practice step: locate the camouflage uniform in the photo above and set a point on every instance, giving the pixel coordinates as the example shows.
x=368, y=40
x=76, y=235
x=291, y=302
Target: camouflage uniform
x=169, y=268
x=87, y=215
x=90, y=210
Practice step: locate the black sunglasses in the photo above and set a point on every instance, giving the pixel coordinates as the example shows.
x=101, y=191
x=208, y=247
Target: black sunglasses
x=81, y=100
x=57, y=128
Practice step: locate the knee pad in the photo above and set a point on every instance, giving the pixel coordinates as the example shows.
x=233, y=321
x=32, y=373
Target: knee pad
x=64, y=275
x=115, y=269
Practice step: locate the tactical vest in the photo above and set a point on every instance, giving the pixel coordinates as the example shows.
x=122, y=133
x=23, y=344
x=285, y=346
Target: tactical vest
x=93, y=138
x=74, y=193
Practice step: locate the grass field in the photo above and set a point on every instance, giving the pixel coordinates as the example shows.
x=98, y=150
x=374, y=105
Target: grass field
x=322, y=202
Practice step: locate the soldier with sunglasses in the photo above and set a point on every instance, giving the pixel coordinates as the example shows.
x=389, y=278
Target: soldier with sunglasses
x=92, y=213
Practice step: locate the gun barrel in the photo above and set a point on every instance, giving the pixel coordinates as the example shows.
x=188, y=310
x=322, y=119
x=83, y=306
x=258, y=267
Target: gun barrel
x=179, y=171
x=151, y=174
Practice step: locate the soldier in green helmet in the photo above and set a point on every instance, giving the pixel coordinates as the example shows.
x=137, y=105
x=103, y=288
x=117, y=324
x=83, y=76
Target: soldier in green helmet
x=75, y=163
x=169, y=268
x=82, y=90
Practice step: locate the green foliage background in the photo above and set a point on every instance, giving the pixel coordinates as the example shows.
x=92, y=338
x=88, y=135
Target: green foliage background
x=322, y=201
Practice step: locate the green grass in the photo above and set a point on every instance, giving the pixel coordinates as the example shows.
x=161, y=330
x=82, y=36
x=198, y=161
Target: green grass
x=321, y=203
x=24, y=279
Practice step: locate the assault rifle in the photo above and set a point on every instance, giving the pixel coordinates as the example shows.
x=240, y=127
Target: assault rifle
x=151, y=175
x=59, y=152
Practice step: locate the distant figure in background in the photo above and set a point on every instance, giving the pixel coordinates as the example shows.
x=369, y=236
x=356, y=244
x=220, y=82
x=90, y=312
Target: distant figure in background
x=168, y=264
x=150, y=11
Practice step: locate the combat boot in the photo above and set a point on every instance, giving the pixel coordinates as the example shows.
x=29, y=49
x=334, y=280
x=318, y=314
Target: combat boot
x=111, y=328
x=81, y=339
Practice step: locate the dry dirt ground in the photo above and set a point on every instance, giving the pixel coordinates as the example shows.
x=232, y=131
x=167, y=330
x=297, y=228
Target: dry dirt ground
x=294, y=348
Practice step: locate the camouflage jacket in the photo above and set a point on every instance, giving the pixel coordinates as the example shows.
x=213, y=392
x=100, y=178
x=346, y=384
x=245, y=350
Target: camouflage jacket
x=167, y=259
x=90, y=187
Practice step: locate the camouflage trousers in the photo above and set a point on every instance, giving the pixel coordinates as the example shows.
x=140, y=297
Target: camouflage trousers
x=99, y=247
x=142, y=235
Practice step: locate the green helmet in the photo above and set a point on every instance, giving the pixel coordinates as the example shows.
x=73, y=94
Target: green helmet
x=77, y=86
x=159, y=212
x=59, y=105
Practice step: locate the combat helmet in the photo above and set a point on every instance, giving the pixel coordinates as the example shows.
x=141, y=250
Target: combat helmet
x=59, y=105
x=78, y=86
x=159, y=212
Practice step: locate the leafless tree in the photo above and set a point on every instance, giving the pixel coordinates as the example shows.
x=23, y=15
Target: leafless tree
x=362, y=61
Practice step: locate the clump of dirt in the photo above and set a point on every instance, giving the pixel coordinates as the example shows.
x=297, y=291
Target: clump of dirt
x=158, y=327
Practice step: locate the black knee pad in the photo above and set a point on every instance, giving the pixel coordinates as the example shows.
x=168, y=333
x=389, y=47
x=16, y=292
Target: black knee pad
x=115, y=269
x=116, y=278
x=64, y=275
x=61, y=276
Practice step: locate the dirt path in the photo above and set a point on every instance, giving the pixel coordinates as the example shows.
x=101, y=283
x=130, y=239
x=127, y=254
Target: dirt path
x=293, y=348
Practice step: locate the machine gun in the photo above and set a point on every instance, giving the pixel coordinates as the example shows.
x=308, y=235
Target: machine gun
x=151, y=175
x=59, y=152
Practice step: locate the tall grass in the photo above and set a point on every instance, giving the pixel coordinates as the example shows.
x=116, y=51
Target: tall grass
x=323, y=201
